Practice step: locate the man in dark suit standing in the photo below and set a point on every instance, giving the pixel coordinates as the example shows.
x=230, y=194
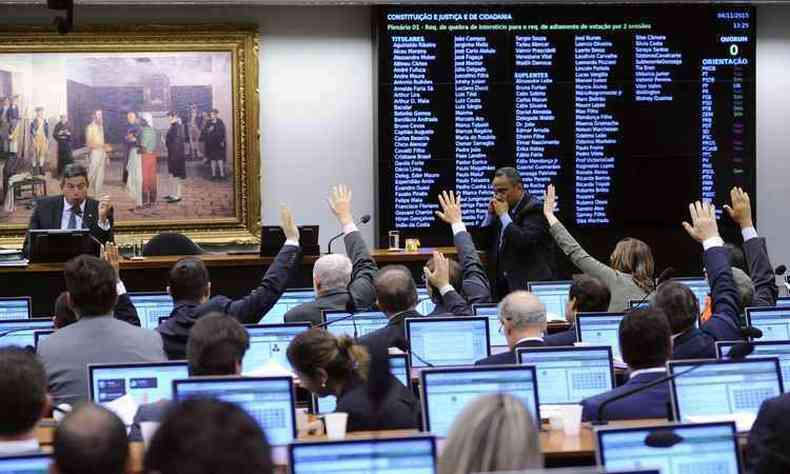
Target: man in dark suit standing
x=522, y=318
x=516, y=234
x=73, y=209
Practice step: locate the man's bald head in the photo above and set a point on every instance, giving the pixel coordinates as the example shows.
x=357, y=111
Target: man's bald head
x=91, y=440
x=395, y=289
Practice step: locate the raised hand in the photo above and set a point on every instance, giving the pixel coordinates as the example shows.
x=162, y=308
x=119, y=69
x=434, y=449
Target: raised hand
x=340, y=203
x=287, y=222
x=111, y=256
x=440, y=276
x=549, y=203
x=703, y=221
x=105, y=206
x=451, y=207
x=741, y=210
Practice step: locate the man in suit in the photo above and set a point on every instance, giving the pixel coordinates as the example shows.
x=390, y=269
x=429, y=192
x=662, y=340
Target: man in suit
x=213, y=135
x=646, y=344
x=516, y=234
x=522, y=319
x=396, y=296
x=96, y=337
x=90, y=440
x=191, y=289
x=340, y=283
x=176, y=159
x=73, y=209
x=680, y=305
x=23, y=390
x=469, y=278
x=770, y=437
x=586, y=295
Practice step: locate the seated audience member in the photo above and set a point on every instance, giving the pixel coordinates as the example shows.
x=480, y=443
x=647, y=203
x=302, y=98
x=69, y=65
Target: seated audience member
x=373, y=399
x=495, y=433
x=469, y=278
x=90, y=440
x=340, y=284
x=523, y=321
x=216, y=346
x=396, y=296
x=680, y=305
x=770, y=437
x=206, y=436
x=191, y=289
x=96, y=337
x=629, y=275
x=646, y=344
x=64, y=315
x=586, y=295
x=23, y=393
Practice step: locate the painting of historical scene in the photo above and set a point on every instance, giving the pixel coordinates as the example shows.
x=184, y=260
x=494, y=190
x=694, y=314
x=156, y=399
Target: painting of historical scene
x=154, y=130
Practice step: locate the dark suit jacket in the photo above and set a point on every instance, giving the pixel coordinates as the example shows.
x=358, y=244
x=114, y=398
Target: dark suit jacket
x=508, y=357
x=248, y=310
x=652, y=403
x=360, y=290
x=393, y=334
x=399, y=410
x=769, y=438
x=527, y=250
x=475, y=287
x=723, y=324
x=761, y=272
x=564, y=338
x=48, y=214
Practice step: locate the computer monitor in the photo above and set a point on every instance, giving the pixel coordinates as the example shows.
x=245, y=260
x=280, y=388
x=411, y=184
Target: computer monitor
x=15, y=308
x=269, y=343
x=441, y=342
x=641, y=304
x=359, y=325
x=698, y=448
x=41, y=334
x=412, y=455
x=28, y=464
x=496, y=337
x=424, y=304
x=723, y=388
x=147, y=382
x=19, y=332
x=399, y=369
x=568, y=375
x=553, y=295
x=778, y=349
x=783, y=301
x=290, y=299
x=151, y=306
x=446, y=391
x=270, y=400
x=600, y=329
x=699, y=286
x=773, y=321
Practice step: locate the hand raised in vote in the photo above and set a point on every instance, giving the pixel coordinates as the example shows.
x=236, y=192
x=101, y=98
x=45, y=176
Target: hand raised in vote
x=440, y=276
x=549, y=204
x=105, y=205
x=110, y=255
x=703, y=221
x=741, y=210
x=340, y=203
x=287, y=222
x=451, y=207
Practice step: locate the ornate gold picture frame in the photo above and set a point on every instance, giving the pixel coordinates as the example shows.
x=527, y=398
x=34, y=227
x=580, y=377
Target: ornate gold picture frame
x=164, y=118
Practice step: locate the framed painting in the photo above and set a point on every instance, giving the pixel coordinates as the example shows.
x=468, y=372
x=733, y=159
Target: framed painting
x=165, y=120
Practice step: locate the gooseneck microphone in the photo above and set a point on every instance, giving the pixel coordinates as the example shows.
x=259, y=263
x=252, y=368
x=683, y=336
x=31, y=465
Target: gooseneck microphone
x=362, y=220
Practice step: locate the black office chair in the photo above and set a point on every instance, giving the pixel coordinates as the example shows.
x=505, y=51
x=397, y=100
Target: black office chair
x=169, y=244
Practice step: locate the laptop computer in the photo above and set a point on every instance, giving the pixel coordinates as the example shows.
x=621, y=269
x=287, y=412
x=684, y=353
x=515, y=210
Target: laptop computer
x=778, y=349
x=600, y=329
x=437, y=342
x=15, y=308
x=147, y=382
x=553, y=295
x=268, y=345
x=496, y=337
x=773, y=321
x=568, y=375
x=19, y=332
x=290, y=299
x=679, y=448
x=699, y=286
x=270, y=400
x=151, y=306
x=408, y=455
x=27, y=464
x=723, y=390
x=446, y=391
x=361, y=324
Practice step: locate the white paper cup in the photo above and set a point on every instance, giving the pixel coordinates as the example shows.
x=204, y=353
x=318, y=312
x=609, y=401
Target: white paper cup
x=147, y=429
x=336, y=425
x=571, y=419
x=302, y=419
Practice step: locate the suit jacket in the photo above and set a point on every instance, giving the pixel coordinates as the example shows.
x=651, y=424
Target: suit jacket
x=475, y=287
x=248, y=310
x=508, y=357
x=564, y=338
x=761, y=272
x=651, y=403
x=100, y=339
x=48, y=214
x=360, y=290
x=393, y=334
x=723, y=323
x=527, y=250
x=399, y=410
x=147, y=412
x=770, y=437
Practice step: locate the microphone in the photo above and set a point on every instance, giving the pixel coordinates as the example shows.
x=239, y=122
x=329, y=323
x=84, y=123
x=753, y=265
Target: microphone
x=28, y=328
x=420, y=359
x=350, y=316
x=362, y=220
x=780, y=270
x=751, y=332
x=664, y=276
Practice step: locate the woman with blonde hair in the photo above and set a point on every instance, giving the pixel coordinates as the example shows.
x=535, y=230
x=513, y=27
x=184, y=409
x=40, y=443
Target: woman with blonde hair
x=629, y=274
x=493, y=433
x=365, y=389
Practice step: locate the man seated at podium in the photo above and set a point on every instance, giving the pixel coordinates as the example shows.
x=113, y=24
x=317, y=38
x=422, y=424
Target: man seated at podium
x=73, y=209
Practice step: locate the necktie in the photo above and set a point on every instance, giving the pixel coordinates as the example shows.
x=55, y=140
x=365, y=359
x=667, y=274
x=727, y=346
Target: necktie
x=75, y=211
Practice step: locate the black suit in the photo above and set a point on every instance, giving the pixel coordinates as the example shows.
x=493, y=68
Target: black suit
x=770, y=437
x=475, y=287
x=399, y=410
x=48, y=214
x=526, y=252
x=393, y=334
x=761, y=272
x=509, y=357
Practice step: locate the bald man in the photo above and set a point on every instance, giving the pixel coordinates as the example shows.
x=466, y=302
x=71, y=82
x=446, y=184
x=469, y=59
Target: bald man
x=90, y=440
x=523, y=321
